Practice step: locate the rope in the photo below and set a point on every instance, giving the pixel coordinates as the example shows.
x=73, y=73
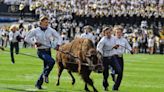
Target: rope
x=71, y=56
x=68, y=53
x=119, y=45
x=124, y=47
x=23, y=54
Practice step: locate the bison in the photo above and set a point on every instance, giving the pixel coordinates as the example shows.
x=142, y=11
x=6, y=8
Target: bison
x=79, y=56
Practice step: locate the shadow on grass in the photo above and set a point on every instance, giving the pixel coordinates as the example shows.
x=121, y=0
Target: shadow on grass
x=37, y=90
x=23, y=90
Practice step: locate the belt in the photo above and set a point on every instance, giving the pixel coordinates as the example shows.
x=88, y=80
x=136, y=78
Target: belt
x=109, y=57
x=46, y=49
x=119, y=55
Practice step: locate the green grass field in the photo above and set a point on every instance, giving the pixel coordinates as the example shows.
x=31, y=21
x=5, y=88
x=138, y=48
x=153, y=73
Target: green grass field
x=142, y=73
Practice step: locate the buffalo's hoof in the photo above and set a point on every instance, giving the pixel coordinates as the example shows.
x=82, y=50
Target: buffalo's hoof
x=57, y=84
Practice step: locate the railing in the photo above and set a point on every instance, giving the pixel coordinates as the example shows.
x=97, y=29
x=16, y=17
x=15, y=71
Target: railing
x=13, y=10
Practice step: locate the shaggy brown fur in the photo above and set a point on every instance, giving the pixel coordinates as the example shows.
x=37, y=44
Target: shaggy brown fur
x=86, y=55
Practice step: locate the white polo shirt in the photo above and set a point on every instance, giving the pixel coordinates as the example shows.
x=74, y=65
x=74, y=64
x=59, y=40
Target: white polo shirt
x=124, y=44
x=44, y=37
x=105, y=46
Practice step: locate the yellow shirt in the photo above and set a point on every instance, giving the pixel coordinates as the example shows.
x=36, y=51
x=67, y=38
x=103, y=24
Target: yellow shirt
x=161, y=35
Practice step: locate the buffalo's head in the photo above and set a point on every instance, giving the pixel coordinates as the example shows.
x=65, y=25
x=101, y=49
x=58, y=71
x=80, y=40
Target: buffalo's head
x=94, y=60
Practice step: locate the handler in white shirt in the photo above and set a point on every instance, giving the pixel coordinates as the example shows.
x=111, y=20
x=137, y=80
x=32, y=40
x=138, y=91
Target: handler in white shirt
x=122, y=45
x=106, y=47
x=44, y=36
x=121, y=41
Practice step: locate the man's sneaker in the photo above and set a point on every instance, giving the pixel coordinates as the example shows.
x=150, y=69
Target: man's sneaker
x=115, y=88
x=38, y=87
x=13, y=62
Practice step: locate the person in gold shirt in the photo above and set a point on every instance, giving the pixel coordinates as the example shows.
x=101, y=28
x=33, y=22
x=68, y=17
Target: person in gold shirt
x=161, y=44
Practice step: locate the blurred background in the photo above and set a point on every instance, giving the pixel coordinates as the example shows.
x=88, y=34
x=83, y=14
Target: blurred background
x=140, y=18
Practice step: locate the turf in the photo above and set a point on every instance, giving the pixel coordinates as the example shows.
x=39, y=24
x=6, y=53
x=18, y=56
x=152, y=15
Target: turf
x=142, y=73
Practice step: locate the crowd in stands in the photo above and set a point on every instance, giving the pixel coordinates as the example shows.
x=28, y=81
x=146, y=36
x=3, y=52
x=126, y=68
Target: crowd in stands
x=96, y=8
x=144, y=8
x=142, y=40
